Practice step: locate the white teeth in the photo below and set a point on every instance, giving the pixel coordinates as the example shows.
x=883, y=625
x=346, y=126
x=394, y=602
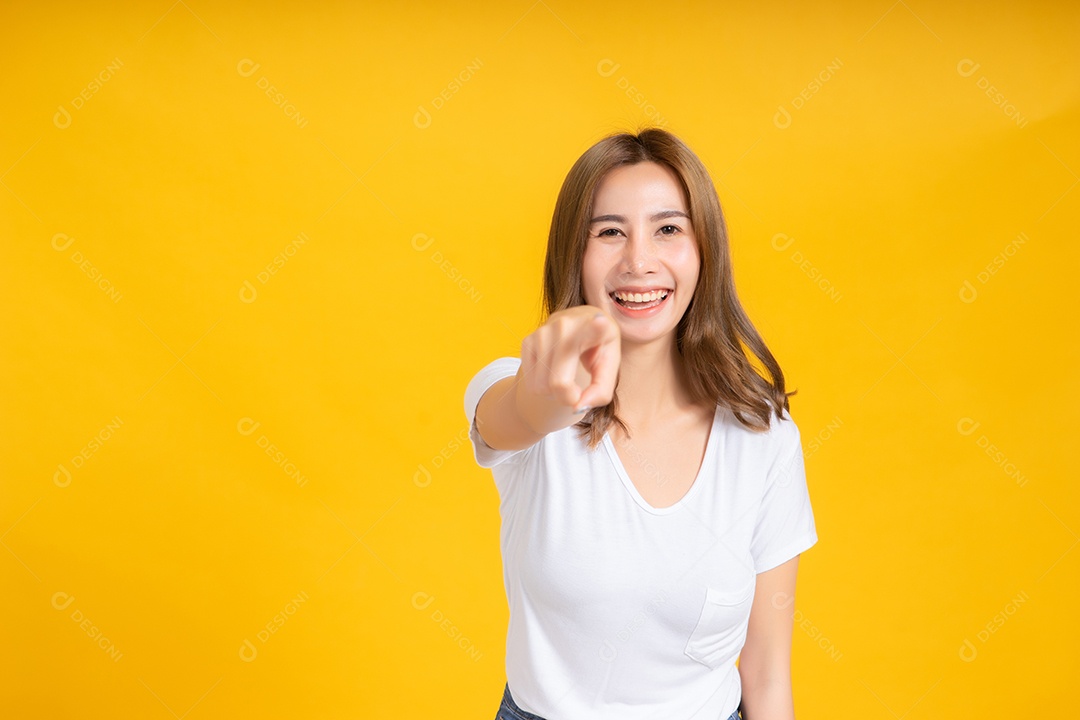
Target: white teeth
x=641, y=297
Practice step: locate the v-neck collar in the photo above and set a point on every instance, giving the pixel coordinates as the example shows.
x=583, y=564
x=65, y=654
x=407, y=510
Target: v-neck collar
x=710, y=451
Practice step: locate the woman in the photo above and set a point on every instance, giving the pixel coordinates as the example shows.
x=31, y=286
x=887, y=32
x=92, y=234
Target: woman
x=637, y=572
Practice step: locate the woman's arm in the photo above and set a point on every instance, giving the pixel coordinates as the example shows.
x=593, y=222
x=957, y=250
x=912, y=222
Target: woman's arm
x=571, y=359
x=765, y=662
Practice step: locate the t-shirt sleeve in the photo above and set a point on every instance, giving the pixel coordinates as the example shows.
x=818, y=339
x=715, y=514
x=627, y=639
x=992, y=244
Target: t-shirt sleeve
x=485, y=455
x=785, y=524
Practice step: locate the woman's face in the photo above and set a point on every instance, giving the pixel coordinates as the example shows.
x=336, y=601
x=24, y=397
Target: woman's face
x=641, y=241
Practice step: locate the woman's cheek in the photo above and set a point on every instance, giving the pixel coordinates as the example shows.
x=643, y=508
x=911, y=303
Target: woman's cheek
x=684, y=253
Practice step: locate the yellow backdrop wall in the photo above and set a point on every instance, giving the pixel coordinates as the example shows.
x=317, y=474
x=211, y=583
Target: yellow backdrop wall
x=253, y=255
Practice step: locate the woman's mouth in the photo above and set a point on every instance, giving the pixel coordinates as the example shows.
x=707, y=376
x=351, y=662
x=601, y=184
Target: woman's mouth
x=637, y=303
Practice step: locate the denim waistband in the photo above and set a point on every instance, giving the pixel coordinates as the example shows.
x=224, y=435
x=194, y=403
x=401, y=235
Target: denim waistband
x=510, y=711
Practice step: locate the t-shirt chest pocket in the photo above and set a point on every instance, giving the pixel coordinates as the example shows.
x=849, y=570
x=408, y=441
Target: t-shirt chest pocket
x=721, y=627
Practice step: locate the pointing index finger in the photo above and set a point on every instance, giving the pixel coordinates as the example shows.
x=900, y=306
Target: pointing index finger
x=600, y=354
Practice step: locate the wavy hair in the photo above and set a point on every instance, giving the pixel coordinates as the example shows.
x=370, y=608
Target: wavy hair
x=714, y=333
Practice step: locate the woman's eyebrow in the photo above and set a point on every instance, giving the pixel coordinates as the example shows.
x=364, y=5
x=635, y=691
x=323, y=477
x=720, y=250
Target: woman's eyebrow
x=663, y=214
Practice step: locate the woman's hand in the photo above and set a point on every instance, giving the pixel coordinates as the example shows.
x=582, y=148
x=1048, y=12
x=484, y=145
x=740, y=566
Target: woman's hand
x=568, y=365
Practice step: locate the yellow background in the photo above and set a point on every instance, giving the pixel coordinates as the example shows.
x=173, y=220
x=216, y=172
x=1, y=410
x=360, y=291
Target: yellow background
x=238, y=329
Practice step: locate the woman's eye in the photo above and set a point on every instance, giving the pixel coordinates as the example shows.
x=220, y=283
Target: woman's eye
x=603, y=233
x=674, y=229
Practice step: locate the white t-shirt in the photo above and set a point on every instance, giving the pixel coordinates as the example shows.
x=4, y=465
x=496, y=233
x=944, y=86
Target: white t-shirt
x=622, y=610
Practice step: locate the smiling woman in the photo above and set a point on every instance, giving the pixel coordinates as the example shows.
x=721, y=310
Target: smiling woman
x=656, y=182
x=638, y=572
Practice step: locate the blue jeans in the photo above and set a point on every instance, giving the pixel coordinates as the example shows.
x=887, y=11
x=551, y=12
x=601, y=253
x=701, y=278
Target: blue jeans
x=510, y=711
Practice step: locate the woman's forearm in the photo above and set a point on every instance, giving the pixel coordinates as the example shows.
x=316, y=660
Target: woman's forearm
x=767, y=699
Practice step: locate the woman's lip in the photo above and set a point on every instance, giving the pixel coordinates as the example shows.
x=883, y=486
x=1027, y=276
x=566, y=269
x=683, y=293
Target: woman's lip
x=641, y=292
x=647, y=312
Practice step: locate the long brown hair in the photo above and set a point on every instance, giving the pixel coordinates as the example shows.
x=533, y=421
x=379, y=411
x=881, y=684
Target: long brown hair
x=714, y=329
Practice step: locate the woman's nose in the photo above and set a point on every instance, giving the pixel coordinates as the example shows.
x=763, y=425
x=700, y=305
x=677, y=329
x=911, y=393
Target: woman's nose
x=639, y=251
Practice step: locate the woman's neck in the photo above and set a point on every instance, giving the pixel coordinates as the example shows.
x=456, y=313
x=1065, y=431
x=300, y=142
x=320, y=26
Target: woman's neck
x=653, y=386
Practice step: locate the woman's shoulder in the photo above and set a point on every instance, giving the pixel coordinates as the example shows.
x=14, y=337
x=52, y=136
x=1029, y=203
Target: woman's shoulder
x=781, y=435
